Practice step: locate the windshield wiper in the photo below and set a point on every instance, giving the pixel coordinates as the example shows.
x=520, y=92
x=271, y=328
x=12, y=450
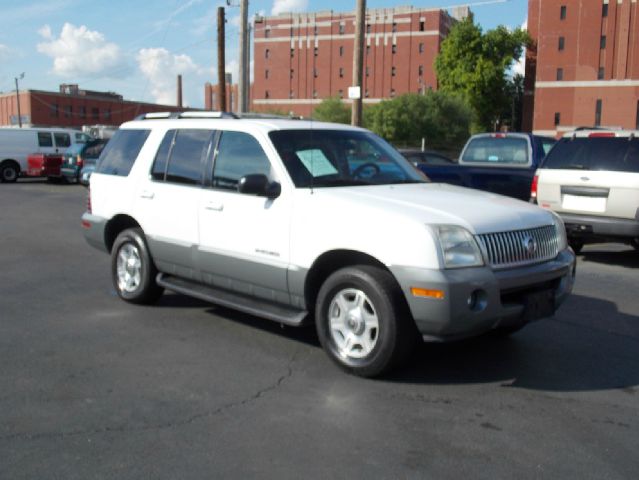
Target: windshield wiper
x=340, y=182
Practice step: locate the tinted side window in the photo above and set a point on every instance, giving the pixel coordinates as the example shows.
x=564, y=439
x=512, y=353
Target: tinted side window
x=44, y=139
x=613, y=154
x=94, y=150
x=120, y=153
x=189, y=150
x=158, y=171
x=62, y=140
x=510, y=150
x=238, y=154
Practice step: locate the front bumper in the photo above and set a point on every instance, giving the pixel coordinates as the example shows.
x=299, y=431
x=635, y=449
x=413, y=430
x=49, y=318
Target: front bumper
x=502, y=297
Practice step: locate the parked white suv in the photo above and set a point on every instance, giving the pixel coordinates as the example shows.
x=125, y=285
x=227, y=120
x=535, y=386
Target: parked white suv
x=591, y=179
x=299, y=221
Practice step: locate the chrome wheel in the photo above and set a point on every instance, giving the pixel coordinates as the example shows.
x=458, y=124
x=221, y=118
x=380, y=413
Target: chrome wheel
x=353, y=323
x=129, y=268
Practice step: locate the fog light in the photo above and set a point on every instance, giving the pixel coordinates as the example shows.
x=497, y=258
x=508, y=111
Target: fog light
x=477, y=300
x=472, y=300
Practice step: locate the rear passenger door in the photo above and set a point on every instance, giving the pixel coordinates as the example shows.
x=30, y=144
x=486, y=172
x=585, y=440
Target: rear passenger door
x=168, y=201
x=244, y=239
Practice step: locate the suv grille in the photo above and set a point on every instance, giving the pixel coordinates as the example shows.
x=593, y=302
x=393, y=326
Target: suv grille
x=519, y=247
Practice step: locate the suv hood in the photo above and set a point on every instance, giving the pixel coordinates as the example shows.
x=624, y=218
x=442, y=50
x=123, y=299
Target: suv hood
x=439, y=203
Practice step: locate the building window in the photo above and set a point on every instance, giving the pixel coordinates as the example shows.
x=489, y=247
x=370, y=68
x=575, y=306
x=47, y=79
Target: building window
x=368, y=71
x=561, y=43
x=368, y=49
x=292, y=73
x=421, y=48
x=292, y=52
x=266, y=73
x=420, y=70
x=341, y=51
x=83, y=111
x=394, y=27
x=315, y=72
x=421, y=26
x=600, y=73
x=341, y=93
x=290, y=94
x=316, y=51
x=602, y=42
x=107, y=114
x=557, y=118
x=341, y=73
x=54, y=110
x=394, y=49
x=392, y=92
x=267, y=53
x=604, y=10
x=267, y=32
x=314, y=93
x=393, y=70
x=341, y=28
x=266, y=95
x=560, y=74
x=598, y=113
x=366, y=96
x=68, y=111
x=315, y=30
x=368, y=28
x=95, y=113
x=562, y=12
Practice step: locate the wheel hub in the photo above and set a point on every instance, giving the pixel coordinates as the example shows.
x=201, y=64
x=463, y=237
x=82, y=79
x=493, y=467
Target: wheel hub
x=353, y=323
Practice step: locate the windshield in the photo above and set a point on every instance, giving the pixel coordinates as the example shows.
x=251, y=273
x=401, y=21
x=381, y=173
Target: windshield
x=331, y=158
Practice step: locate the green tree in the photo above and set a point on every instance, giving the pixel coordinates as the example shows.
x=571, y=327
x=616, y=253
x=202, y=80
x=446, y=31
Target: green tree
x=332, y=110
x=442, y=119
x=474, y=65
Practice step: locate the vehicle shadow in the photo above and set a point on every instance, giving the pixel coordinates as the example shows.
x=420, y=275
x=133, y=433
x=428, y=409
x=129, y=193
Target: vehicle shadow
x=625, y=258
x=588, y=345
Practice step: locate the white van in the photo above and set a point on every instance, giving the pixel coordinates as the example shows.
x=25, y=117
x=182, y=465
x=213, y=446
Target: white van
x=16, y=144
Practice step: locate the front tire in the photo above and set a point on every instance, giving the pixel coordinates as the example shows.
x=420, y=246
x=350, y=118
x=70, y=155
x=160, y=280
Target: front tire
x=132, y=269
x=363, y=322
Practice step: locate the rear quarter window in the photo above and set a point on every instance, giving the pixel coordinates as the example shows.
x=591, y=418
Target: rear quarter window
x=502, y=151
x=118, y=156
x=617, y=154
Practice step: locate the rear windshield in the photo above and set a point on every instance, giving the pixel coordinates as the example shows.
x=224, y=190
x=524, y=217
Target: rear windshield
x=504, y=150
x=618, y=154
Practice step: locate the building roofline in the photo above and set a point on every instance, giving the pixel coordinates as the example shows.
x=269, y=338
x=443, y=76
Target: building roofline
x=322, y=13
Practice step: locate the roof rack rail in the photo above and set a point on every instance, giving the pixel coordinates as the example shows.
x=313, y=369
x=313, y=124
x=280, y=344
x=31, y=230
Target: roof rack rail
x=268, y=116
x=187, y=114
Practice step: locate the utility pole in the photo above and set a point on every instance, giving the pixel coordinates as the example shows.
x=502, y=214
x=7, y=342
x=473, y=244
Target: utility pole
x=360, y=19
x=179, y=91
x=221, y=62
x=242, y=104
x=18, y=99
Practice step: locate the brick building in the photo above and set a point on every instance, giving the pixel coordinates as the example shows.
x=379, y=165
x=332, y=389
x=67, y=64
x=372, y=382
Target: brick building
x=300, y=59
x=72, y=107
x=584, y=68
x=211, y=97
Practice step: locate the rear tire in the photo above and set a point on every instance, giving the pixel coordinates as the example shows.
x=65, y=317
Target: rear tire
x=132, y=269
x=363, y=322
x=576, y=245
x=9, y=172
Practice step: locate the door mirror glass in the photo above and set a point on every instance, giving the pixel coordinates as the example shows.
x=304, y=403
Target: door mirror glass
x=258, y=184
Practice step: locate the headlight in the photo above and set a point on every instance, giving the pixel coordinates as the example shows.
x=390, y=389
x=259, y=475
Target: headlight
x=562, y=240
x=458, y=247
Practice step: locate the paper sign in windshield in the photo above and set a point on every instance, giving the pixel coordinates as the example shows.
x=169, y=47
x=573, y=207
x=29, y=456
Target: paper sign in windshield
x=316, y=162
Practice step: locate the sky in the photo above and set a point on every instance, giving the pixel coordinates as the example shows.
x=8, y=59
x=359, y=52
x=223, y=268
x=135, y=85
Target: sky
x=137, y=48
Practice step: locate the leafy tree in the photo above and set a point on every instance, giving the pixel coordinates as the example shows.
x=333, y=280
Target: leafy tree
x=442, y=119
x=332, y=110
x=474, y=65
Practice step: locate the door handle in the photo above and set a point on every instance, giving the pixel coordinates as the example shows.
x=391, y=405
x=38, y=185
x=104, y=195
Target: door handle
x=147, y=194
x=216, y=206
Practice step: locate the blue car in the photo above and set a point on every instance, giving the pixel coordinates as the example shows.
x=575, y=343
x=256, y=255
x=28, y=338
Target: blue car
x=79, y=161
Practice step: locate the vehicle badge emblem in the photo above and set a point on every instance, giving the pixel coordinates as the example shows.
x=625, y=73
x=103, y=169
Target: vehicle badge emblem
x=585, y=179
x=530, y=245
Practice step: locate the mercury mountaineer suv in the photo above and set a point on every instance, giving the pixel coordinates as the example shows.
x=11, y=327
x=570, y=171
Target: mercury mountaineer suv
x=299, y=221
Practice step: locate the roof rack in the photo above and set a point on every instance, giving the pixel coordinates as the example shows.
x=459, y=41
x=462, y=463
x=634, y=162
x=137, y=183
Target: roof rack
x=268, y=116
x=187, y=114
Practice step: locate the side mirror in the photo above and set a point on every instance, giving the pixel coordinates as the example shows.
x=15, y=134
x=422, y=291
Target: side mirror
x=258, y=184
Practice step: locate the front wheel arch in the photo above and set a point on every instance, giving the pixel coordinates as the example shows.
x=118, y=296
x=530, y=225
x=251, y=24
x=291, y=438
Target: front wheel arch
x=14, y=165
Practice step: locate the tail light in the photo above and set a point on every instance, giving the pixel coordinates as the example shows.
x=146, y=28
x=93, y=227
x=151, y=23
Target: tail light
x=533, y=189
x=79, y=162
x=89, y=199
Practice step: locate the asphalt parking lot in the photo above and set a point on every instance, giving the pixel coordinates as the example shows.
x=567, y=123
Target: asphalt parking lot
x=92, y=387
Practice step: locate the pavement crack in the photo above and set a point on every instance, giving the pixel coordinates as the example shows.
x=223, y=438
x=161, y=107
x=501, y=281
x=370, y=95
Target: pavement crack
x=167, y=425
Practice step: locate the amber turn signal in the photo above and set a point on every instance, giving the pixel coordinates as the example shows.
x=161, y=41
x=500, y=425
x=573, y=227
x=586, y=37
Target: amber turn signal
x=423, y=292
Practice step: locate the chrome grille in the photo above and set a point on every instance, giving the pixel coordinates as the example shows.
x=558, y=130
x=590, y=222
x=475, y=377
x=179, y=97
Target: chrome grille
x=519, y=247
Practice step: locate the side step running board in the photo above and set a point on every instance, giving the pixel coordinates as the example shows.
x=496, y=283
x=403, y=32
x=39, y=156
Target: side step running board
x=260, y=308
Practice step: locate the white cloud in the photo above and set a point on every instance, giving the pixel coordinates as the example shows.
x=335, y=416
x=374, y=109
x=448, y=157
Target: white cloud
x=519, y=67
x=161, y=67
x=5, y=52
x=79, y=51
x=281, y=6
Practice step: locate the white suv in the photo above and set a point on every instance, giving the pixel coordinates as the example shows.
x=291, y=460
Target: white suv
x=591, y=179
x=299, y=221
